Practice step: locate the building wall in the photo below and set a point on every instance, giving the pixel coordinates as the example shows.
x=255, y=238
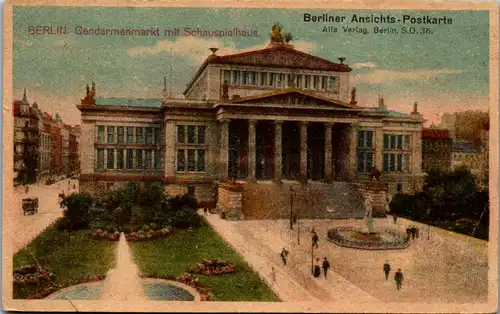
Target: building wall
x=436, y=153
x=209, y=84
x=56, y=158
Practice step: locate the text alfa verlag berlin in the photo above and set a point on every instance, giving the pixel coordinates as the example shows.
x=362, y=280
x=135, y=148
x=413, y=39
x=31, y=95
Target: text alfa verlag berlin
x=152, y=31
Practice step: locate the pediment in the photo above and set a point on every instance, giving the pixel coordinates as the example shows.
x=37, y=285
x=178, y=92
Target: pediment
x=294, y=97
x=282, y=56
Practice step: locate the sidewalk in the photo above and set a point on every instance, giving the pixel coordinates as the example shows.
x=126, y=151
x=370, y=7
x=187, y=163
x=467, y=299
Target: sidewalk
x=23, y=228
x=287, y=288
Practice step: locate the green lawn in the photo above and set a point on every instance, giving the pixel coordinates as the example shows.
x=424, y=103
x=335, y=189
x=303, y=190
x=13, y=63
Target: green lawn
x=70, y=255
x=174, y=255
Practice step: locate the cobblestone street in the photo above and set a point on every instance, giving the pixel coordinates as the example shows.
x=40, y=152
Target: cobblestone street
x=23, y=228
x=440, y=266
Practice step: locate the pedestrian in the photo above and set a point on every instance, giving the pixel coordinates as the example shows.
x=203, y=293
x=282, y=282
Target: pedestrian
x=315, y=239
x=284, y=254
x=408, y=232
x=317, y=269
x=273, y=275
x=326, y=266
x=398, y=277
x=205, y=210
x=27, y=188
x=387, y=270
x=417, y=232
x=395, y=218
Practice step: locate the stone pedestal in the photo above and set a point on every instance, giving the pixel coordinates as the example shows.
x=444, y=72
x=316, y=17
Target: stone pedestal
x=378, y=191
x=229, y=202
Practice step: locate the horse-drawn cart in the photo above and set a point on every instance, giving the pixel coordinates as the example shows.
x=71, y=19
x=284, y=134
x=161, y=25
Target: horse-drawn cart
x=30, y=206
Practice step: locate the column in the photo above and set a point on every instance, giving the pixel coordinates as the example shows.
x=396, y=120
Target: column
x=251, y=149
x=170, y=140
x=115, y=158
x=379, y=146
x=328, y=152
x=277, y=149
x=303, y=150
x=224, y=148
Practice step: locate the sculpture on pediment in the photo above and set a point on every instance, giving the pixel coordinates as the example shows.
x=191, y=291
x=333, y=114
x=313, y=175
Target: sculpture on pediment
x=276, y=36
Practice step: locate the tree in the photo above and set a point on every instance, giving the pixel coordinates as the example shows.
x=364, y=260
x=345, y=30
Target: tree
x=76, y=212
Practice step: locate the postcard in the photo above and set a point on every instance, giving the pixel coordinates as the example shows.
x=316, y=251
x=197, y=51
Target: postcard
x=203, y=156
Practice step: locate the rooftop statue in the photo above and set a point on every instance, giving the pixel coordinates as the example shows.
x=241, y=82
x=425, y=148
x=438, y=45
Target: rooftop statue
x=276, y=36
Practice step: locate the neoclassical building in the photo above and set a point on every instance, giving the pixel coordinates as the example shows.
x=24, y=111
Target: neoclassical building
x=273, y=115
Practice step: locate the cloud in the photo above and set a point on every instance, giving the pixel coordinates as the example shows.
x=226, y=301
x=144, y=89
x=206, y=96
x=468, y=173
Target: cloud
x=196, y=49
x=381, y=76
x=361, y=65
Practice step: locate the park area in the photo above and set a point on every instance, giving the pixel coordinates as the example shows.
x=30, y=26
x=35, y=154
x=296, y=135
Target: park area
x=177, y=253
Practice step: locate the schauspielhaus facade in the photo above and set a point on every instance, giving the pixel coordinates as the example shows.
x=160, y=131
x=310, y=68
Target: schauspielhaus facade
x=273, y=115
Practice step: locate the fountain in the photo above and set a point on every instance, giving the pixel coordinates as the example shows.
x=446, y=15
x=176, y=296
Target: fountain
x=367, y=237
x=123, y=283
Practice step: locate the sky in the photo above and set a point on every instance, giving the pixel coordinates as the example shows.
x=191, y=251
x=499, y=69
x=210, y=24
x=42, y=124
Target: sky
x=445, y=71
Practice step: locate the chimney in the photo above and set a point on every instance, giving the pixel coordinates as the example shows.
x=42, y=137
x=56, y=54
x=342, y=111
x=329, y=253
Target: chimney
x=381, y=103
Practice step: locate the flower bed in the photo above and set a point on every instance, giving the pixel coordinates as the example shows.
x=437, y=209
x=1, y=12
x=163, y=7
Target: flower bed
x=383, y=239
x=142, y=235
x=214, y=267
x=32, y=274
x=54, y=287
x=101, y=234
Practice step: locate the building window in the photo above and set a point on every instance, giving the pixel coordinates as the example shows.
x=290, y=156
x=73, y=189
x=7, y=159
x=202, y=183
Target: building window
x=365, y=161
x=263, y=79
x=236, y=77
x=281, y=82
x=191, y=160
x=100, y=134
x=396, y=162
x=331, y=83
x=201, y=135
x=316, y=82
x=323, y=82
x=157, y=136
x=191, y=134
x=130, y=135
x=157, y=159
x=100, y=158
x=307, y=81
x=111, y=134
x=392, y=141
x=130, y=159
x=254, y=77
x=119, y=157
x=227, y=76
x=181, y=135
x=111, y=158
x=181, y=160
x=149, y=135
x=299, y=81
x=149, y=160
x=139, y=136
x=200, y=162
x=399, y=188
x=121, y=139
x=272, y=79
x=244, y=78
x=365, y=139
x=138, y=159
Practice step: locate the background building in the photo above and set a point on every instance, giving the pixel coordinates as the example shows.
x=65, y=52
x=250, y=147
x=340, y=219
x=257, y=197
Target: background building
x=436, y=149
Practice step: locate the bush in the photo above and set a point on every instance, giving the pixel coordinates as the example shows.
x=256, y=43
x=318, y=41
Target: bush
x=145, y=228
x=186, y=217
x=77, y=211
x=185, y=200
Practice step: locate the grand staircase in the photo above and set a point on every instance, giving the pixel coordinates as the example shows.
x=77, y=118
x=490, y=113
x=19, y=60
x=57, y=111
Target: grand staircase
x=316, y=200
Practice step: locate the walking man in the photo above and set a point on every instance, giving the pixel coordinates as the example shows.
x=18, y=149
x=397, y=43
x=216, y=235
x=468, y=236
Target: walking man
x=387, y=270
x=326, y=266
x=315, y=239
x=317, y=269
x=398, y=277
x=284, y=254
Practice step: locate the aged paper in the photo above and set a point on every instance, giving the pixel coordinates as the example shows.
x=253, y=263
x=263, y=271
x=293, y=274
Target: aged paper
x=250, y=156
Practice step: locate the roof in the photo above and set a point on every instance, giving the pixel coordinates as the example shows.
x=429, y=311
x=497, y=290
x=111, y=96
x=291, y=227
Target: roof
x=435, y=134
x=129, y=102
x=464, y=147
x=286, y=57
x=293, y=91
x=389, y=113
